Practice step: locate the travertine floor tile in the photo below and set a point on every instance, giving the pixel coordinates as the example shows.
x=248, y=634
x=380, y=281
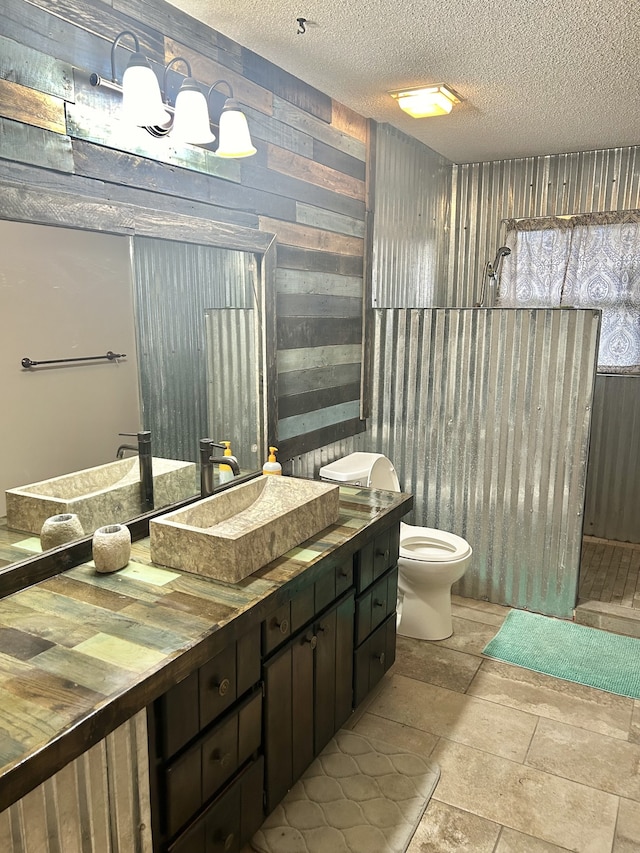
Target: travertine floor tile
x=530, y=801
x=490, y=614
x=405, y=737
x=512, y=841
x=627, y=838
x=445, y=829
x=553, y=698
x=468, y=636
x=634, y=731
x=435, y=664
x=593, y=759
x=476, y=722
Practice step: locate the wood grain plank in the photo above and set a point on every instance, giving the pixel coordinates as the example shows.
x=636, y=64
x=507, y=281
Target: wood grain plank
x=308, y=214
x=289, y=163
x=349, y=122
x=293, y=258
x=31, y=107
x=311, y=238
x=312, y=421
x=298, y=444
x=319, y=130
x=106, y=129
x=298, y=332
x=328, y=156
x=207, y=71
x=307, y=358
x=261, y=178
x=301, y=381
x=20, y=64
x=271, y=130
x=184, y=28
x=311, y=282
x=36, y=146
x=311, y=401
x=320, y=305
x=177, y=190
x=281, y=83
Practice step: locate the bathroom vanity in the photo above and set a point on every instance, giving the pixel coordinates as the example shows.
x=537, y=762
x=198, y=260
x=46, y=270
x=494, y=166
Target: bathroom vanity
x=241, y=685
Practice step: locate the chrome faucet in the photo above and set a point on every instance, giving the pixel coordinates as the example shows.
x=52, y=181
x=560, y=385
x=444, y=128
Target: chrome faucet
x=207, y=461
x=143, y=449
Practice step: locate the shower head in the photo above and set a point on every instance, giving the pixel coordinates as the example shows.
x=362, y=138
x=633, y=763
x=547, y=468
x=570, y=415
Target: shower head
x=502, y=252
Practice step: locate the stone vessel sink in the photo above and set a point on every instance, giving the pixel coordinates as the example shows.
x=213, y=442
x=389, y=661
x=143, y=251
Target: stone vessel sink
x=230, y=535
x=106, y=494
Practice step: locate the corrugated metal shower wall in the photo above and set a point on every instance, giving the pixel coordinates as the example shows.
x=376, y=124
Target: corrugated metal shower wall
x=176, y=283
x=486, y=414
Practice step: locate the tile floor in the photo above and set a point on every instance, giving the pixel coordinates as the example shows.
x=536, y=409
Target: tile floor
x=529, y=763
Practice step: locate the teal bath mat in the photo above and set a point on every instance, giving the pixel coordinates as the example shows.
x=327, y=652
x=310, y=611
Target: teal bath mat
x=573, y=652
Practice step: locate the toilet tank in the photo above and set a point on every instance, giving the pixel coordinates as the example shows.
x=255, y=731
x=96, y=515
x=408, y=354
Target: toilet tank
x=372, y=470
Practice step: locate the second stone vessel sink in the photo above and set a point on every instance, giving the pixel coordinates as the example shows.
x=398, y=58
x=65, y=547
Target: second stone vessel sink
x=230, y=535
x=105, y=494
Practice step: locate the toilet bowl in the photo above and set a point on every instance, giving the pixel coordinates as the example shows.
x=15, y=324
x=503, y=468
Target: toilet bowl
x=430, y=560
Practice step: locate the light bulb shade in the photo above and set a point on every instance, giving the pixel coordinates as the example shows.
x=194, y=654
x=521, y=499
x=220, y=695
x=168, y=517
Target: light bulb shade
x=141, y=98
x=235, y=139
x=427, y=101
x=191, y=115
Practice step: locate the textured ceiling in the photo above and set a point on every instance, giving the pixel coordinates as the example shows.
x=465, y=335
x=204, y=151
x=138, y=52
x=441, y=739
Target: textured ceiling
x=537, y=76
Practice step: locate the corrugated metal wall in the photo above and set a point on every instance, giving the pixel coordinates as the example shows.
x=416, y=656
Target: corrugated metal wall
x=98, y=803
x=485, y=414
x=234, y=383
x=612, y=508
x=411, y=223
x=484, y=194
x=175, y=285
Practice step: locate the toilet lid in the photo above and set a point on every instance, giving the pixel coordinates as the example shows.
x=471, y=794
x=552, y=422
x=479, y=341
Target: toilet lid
x=431, y=545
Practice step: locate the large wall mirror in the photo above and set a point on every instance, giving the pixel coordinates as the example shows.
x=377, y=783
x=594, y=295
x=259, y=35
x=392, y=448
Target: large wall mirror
x=190, y=318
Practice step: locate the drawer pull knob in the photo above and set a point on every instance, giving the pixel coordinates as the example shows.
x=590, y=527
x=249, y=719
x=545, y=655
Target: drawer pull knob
x=379, y=602
x=227, y=842
x=223, y=759
x=311, y=639
x=283, y=625
x=380, y=658
x=343, y=573
x=223, y=686
x=381, y=553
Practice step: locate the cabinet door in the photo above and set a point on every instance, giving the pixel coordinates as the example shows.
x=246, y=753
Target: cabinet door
x=344, y=661
x=325, y=680
x=278, y=713
x=302, y=697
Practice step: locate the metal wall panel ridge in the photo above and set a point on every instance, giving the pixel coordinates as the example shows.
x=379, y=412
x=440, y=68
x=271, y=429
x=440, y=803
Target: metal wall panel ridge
x=99, y=803
x=410, y=236
x=176, y=283
x=612, y=508
x=486, y=414
x=484, y=194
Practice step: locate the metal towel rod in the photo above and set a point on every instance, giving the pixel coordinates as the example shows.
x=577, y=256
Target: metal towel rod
x=110, y=356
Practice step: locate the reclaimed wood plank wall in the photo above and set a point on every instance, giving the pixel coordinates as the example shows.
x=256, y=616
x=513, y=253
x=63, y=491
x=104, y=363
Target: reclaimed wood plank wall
x=307, y=184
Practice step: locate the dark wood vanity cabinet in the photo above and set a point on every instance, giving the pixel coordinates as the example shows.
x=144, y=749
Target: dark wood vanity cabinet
x=376, y=583
x=229, y=741
x=308, y=695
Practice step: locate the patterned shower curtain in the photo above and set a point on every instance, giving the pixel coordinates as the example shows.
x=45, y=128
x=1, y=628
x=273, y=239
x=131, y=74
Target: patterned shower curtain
x=588, y=261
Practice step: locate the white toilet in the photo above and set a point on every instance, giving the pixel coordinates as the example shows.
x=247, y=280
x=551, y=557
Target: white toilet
x=430, y=560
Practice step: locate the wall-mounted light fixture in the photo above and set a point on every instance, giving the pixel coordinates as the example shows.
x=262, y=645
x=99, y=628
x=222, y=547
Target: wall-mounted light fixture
x=188, y=119
x=424, y=101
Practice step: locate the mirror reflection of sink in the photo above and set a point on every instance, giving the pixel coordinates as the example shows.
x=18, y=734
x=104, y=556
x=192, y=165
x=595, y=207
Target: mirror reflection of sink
x=230, y=535
x=106, y=494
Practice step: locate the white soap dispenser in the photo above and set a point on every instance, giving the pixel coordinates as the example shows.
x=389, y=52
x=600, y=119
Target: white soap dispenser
x=225, y=473
x=272, y=466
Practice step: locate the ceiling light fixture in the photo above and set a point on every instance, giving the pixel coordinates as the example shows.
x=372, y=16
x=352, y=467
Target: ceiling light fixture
x=188, y=120
x=424, y=101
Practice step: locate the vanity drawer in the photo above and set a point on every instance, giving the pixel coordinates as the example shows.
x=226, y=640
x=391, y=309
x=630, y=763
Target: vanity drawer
x=231, y=819
x=377, y=556
x=378, y=602
x=373, y=658
x=191, y=705
x=194, y=777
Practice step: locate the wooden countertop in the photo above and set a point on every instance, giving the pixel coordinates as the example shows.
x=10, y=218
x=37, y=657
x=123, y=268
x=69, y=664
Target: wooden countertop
x=82, y=652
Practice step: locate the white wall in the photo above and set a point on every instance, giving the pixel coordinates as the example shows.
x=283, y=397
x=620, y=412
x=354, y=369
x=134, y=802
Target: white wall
x=64, y=293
